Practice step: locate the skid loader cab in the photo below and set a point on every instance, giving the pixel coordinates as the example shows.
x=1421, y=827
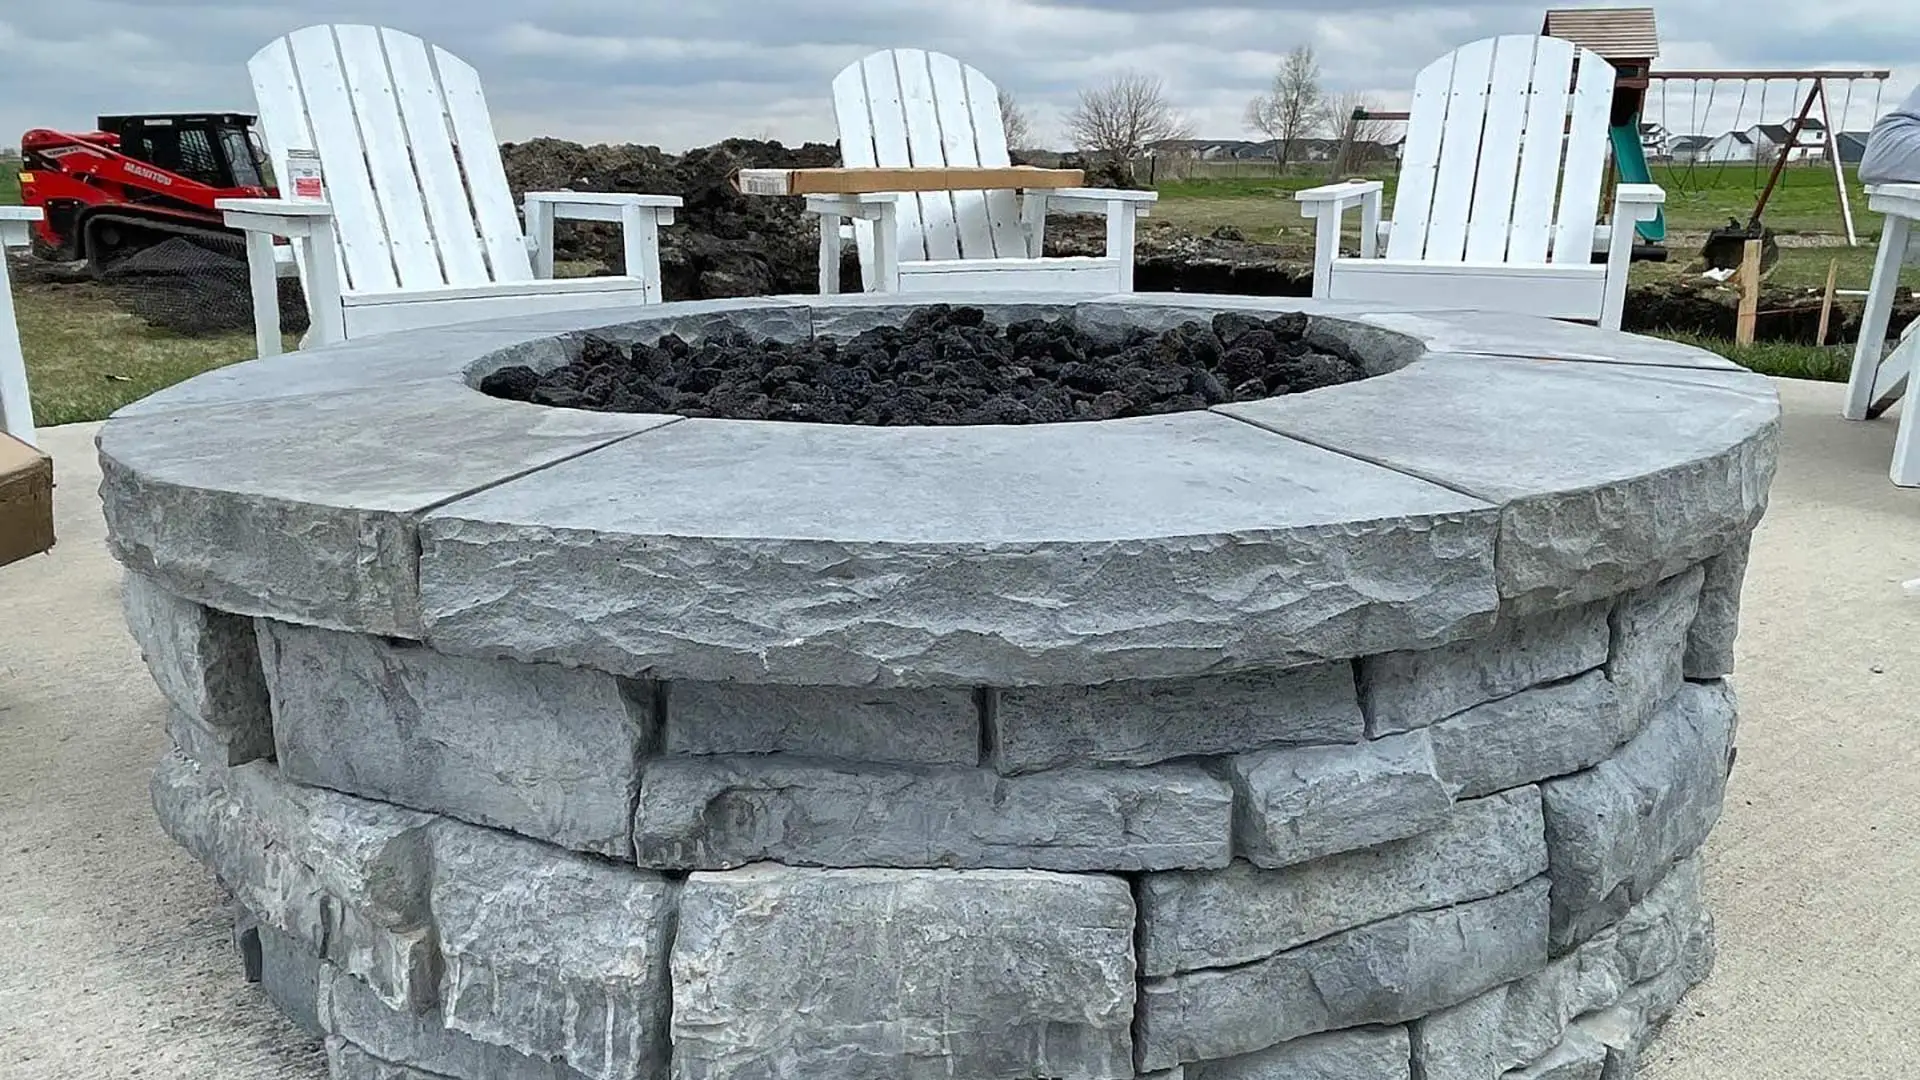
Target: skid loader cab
x=217, y=149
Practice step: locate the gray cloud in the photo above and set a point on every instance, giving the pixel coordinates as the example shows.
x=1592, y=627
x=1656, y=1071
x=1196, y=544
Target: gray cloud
x=691, y=71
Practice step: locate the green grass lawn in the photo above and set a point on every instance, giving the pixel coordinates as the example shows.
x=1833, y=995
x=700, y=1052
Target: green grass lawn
x=1699, y=198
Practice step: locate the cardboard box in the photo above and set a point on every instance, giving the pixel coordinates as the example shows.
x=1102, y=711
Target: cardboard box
x=26, y=500
x=875, y=181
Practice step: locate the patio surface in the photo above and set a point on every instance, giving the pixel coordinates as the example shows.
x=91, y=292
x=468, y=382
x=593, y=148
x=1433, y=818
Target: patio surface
x=114, y=952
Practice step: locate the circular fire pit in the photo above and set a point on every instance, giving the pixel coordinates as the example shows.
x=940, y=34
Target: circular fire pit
x=1370, y=731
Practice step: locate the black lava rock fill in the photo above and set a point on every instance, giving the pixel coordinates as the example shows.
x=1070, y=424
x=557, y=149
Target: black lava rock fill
x=943, y=365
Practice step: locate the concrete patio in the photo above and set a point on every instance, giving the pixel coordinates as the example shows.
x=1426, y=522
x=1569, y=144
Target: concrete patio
x=114, y=952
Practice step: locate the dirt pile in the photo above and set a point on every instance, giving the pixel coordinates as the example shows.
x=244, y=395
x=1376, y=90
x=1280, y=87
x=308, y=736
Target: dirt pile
x=722, y=243
x=943, y=365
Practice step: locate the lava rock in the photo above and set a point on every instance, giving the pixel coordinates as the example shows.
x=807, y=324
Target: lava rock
x=942, y=365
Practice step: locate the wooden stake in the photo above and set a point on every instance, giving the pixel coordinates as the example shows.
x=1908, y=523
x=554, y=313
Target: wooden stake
x=1743, y=327
x=1826, y=301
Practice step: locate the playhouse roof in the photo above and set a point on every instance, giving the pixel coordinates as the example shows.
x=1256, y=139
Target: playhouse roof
x=1614, y=33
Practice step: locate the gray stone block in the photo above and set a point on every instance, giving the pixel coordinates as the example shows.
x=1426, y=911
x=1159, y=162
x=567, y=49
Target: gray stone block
x=1650, y=631
x=1142, y=548
x=290, y=974
x=541, y=750
x=1140, y=723
x=346, y=1061
x=1386, y=972
x=1223, y=918
x=1614, y=830
x=880, y=974
x=216, y=747
x=1371, y=1053
x=1300, y=804
x=1526, y=337
x=344, y=877
x=1578, y=1057
x=1710, y=639
x=1510, y=1026
x=307, y=511
x=206, y=666
x=1536, y=734
x=349, y=1009
x=1602, y=489
x=246, y=941
x=922, y=726
x=723, y=812
x=551, y=954
x=1406, y=690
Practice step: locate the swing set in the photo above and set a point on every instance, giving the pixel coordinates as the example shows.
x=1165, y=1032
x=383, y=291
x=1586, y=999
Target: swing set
x=1815, y=81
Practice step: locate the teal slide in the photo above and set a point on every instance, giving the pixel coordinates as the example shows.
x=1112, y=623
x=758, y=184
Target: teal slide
x=1631, y=159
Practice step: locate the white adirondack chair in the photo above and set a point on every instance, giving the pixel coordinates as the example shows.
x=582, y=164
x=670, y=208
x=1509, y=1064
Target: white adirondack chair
x=418, y=227
x=16, y=408
x=1881, y=378
x=1476, y=222
x=907, y=107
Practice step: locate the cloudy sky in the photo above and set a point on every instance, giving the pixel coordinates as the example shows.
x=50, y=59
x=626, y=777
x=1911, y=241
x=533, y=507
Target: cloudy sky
x=688, y=72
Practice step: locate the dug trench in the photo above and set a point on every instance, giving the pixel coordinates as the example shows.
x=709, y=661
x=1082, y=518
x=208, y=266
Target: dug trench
x=945, y=365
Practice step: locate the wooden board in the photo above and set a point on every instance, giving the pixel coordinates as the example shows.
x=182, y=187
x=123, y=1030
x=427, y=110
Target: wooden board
x=878, y=181
x=26, y=500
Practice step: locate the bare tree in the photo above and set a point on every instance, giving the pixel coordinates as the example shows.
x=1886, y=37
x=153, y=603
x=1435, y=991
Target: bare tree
x=1015, y=121
x=1290, y=109
x=1362, y=140
x=1122, y=119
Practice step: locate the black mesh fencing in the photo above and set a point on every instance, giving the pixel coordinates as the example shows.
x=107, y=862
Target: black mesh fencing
x=188, y=288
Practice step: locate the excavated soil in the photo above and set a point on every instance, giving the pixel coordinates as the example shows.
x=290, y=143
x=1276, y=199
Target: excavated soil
x=944, y=365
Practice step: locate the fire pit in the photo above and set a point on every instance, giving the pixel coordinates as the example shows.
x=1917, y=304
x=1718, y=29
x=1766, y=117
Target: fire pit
x=1347, y=700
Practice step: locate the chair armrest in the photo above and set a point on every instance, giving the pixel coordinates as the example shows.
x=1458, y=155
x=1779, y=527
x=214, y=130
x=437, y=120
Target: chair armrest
x=1649, y=194
x=1345, y=191
x=605, y=198
x=291, y=218
x=1092, y=200
x=13, y=224
x=1095, y=194
x=283, y=208
x=608, y=206
x=1902, y=199
x=869, y=207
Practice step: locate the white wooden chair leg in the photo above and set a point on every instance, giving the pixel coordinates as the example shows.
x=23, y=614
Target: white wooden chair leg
x=264, y=280
x=16, y=405
x=1369, y=225
x=1613, y=299
x=1121, y=223
x=324, y=308
x=830, y=253
x=1873, y=320
x=640, y=229
x=1326, y=247
x=1905, y=470
x=539, y=214
x=1033, y=222
x=886, y=249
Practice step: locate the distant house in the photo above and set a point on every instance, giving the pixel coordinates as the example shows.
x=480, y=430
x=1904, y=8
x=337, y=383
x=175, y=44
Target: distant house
x=1199, y=149
x=1771, y=140
x=1731, y=147
x=1655, y=141
x=1853, y=145
x=1685, y=148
